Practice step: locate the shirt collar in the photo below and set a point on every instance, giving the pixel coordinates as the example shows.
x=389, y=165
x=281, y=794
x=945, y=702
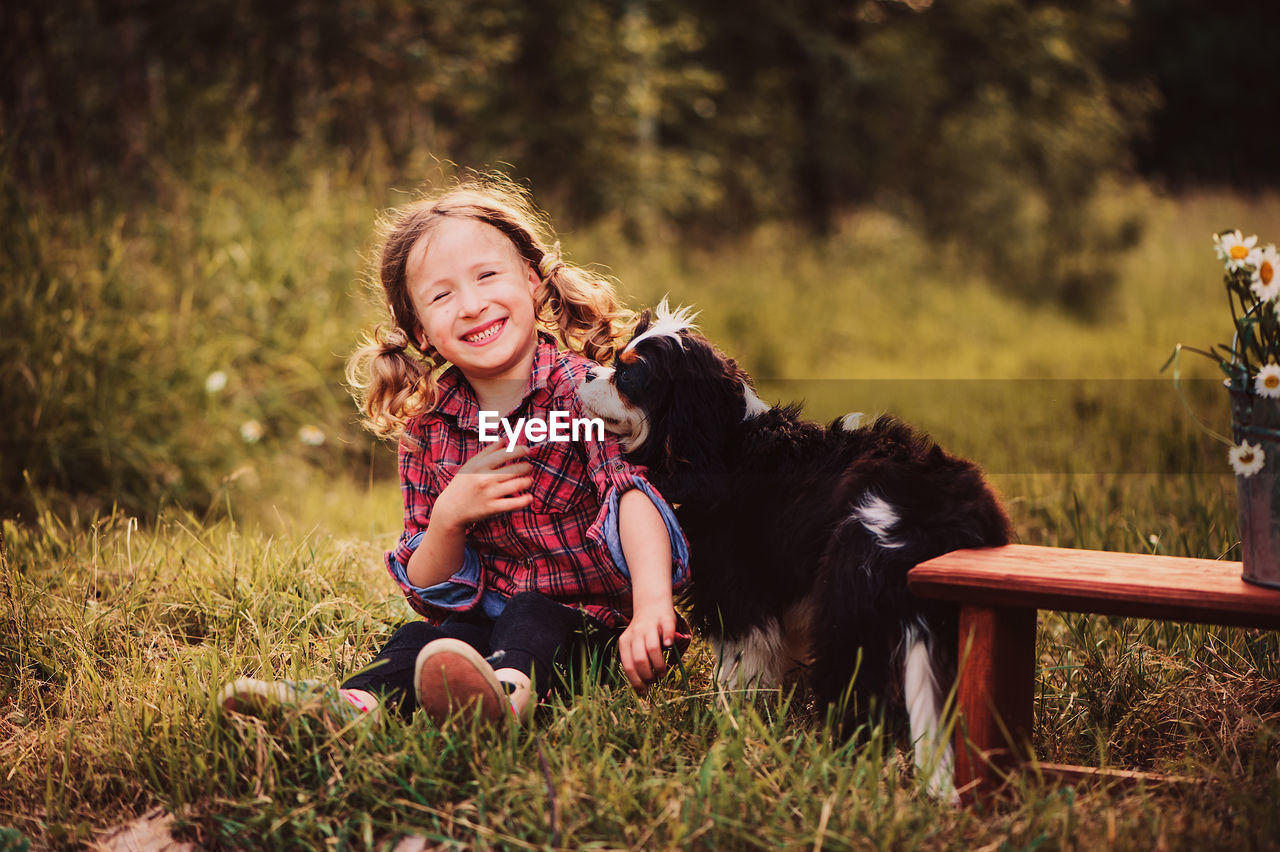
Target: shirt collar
x=456, y=398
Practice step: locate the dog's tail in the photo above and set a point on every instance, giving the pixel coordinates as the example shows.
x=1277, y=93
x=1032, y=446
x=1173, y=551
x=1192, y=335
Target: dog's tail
x=876, y=644
x=926, y=678
x=905, y=501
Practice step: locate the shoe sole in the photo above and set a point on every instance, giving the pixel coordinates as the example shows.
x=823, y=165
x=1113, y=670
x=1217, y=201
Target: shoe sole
x=252, y=697
x=450, y=676
x=249, y=695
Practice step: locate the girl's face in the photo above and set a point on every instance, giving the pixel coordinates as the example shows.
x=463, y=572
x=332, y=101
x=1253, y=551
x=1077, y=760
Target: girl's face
x=474, y=297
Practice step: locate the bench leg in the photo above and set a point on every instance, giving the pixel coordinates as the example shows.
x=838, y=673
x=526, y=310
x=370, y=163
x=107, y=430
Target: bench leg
x=994, y=695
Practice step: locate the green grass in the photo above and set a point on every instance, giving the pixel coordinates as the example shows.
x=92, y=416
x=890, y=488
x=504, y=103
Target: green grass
x=116, y=638
x=114, y=635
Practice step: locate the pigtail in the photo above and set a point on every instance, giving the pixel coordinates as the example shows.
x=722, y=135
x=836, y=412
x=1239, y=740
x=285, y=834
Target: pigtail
x=391, y=378
x=391, y=385
x=582, y=306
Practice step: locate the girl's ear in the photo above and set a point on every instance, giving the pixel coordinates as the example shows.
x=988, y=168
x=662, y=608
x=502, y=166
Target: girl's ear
x=535, y=281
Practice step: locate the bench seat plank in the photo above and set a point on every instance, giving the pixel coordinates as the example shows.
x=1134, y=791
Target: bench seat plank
x=1127, y=584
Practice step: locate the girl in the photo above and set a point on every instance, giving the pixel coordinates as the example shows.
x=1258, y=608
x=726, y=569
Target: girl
x=517, y=555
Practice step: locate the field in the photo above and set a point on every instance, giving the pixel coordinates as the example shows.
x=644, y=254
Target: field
x=119, y=624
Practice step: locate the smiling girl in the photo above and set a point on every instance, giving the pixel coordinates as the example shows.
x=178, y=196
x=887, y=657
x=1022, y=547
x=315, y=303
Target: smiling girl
x=516, y=558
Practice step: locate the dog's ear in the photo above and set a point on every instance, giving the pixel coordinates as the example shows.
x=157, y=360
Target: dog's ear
x=702, y=407
x=627, y=354
x=642, y=325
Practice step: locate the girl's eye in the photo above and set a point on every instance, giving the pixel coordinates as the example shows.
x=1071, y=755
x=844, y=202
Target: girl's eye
x=484, y=275
x=438, y=296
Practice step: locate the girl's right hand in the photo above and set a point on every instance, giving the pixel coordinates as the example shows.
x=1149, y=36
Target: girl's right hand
x=492, y=482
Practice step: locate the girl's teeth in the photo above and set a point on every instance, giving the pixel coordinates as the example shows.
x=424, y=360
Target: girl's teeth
x=486, y=334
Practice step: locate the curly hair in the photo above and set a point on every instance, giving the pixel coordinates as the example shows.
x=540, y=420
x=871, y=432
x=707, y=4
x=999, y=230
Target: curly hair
x=392, y=379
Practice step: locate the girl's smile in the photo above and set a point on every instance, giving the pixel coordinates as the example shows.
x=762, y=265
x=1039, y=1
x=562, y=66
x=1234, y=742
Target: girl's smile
x=486, y=333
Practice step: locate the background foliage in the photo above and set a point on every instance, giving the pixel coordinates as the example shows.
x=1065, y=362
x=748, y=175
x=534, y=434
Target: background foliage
x=137, y=348
x=195, y=182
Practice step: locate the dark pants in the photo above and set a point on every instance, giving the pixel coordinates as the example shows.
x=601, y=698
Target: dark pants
x=533, y=635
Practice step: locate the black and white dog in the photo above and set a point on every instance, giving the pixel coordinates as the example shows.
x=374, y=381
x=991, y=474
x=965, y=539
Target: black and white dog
x=800, y=535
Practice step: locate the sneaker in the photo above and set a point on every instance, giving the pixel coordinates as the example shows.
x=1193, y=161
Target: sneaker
x=450, y=675
x=253, y=697
x=519, y=691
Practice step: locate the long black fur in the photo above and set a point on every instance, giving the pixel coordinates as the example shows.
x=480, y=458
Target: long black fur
x=769, y=505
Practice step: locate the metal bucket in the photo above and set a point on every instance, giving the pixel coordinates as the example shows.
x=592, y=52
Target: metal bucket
x=1257, y=420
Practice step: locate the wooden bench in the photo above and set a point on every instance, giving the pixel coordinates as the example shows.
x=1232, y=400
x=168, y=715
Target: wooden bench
x=999, y=591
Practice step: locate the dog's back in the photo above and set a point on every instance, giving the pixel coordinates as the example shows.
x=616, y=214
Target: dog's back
x=804, y=550
x=901, y=501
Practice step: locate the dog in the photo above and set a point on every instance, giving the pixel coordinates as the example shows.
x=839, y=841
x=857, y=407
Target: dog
x=801, y=535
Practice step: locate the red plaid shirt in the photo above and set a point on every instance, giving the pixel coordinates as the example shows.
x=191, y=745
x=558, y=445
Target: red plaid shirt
x=565, y=543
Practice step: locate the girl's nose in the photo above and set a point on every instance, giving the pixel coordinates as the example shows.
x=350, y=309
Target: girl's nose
x=470, y=300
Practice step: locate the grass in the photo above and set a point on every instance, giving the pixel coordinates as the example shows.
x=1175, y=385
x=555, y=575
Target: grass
x=115, y=634
x=118, y=636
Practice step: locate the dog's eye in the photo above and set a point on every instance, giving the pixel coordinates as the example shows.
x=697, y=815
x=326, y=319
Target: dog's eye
x=627, y=379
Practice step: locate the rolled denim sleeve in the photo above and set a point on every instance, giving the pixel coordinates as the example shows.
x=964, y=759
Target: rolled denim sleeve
x=613, y=475
x=460, y=593
x=607, y=527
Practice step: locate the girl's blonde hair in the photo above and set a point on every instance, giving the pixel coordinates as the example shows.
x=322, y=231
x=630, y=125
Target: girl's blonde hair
x=392, y=379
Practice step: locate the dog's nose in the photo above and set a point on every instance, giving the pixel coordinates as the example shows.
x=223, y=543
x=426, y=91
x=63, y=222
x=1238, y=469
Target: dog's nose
x=591, y=375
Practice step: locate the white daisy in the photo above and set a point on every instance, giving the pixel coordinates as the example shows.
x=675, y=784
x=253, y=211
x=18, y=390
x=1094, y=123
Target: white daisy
x=216, y=381
x=1246, y=459
x=1235, y=249
x=1267, y=382
x=311, y=436
x=1266, y=284
x=251, y=431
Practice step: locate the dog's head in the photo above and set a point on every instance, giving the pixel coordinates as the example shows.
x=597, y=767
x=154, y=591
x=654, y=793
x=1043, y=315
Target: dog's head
x=671, y=398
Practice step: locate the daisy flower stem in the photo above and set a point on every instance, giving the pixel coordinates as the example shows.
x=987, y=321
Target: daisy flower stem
x=1252, y=346
x=1176, y=361
x=1235, y=321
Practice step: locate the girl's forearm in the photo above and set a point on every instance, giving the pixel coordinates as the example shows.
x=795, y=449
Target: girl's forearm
x=439, y=554
x=647, y=549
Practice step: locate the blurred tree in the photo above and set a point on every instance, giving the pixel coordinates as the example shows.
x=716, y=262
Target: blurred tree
x=1013, y=128
x=90, y=90
x=783, y=114
x=1214, y=71
x=988, y=122
x=991, y=125
x=586, y=113
x=576, y=94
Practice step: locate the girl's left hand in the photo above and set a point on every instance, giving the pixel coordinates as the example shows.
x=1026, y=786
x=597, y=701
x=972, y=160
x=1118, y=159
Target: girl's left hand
x=643, y=644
